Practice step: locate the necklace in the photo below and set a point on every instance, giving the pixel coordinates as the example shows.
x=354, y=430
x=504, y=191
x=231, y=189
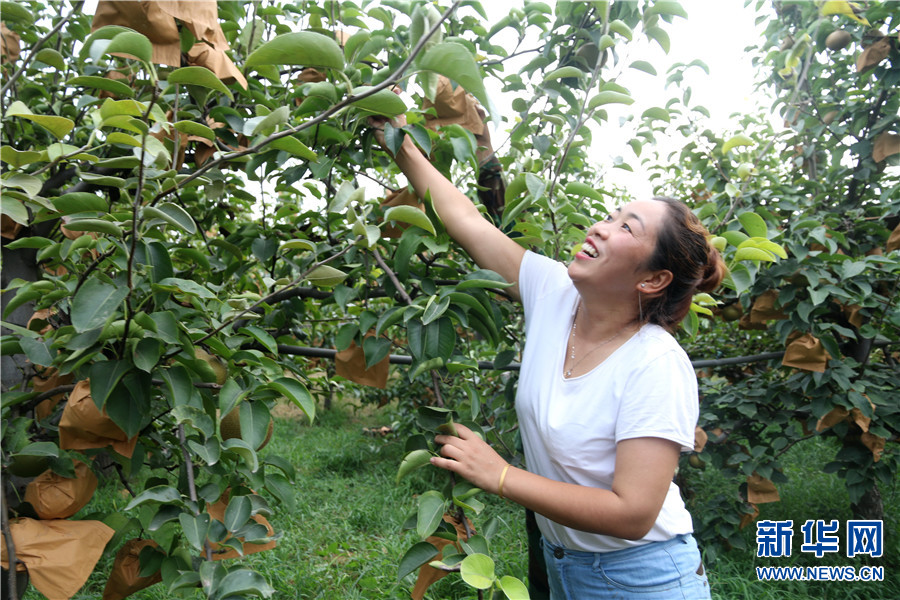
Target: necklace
x=594, y=349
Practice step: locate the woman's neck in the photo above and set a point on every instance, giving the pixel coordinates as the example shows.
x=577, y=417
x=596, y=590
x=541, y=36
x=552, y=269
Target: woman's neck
x=597, y=320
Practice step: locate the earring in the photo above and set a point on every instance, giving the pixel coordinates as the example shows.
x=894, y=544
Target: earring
x=643, y=285
x=640, y=310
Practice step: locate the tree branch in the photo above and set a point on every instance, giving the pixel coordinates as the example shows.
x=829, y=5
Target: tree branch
x=386, y=84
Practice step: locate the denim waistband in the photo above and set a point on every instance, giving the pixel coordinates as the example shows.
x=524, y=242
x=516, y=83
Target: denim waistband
x=616, y=555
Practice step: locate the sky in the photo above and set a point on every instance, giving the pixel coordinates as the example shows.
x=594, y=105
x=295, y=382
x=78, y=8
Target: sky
x=717, y=32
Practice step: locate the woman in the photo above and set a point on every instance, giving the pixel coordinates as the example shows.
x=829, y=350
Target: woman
x=607, y=399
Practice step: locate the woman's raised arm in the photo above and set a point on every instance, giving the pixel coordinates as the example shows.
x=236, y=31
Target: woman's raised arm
x=489, y=247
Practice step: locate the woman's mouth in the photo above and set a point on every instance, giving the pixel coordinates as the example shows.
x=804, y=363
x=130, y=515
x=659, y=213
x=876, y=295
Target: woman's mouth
x=589, y=250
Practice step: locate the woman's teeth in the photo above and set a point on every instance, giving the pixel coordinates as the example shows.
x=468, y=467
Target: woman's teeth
x=589, y=250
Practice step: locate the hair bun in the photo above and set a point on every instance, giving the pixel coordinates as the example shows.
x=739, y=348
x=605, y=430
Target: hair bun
x=714, y=271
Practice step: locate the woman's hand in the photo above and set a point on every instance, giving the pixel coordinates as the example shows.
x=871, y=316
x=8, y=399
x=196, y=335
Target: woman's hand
x=377, y=123
x=471, y=457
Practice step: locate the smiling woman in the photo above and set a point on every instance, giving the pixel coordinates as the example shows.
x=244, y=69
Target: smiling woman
x=606, y=400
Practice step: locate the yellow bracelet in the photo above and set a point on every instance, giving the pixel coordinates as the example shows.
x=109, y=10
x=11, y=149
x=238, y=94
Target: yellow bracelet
x=502, y=479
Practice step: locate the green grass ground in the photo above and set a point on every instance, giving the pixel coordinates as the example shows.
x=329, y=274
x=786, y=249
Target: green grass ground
x=345, y=538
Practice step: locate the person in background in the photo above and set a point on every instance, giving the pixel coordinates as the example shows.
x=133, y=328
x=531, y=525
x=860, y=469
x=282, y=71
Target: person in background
x=606, y=399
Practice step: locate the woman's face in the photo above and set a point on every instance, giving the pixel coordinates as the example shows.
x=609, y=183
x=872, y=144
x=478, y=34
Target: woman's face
x=616, y=249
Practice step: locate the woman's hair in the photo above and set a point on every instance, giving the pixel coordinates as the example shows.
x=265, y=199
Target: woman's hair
x=683, y=249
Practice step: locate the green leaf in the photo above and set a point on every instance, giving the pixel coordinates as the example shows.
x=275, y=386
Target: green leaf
x=578, y=188
x=737, y=141
x=753, y=224
x=767, y=245
x=305, y=48
x=656, y=113
x=29, y=184
x=431, y=511
x=17, y=158
x=159, y=493
x=643, y=65
x=325, y=276
x=261, y=336
x=75, y=202
x=383, y=102
x=244, y=450
x=660, y=36
x=455, y=62
x=568, y=71
x=297, y=393
x=131, y=43
x=735, y=238
x=39, y=449
x=119, y=137
x=106, y=84
x=435, y=340
x=753, y=254
x=97, y=225
x=94, y=303
x=666, y=7
x=418, y=555
x=241, y=584
x=14, y=209
x=478, y=571
x=435, y=308
x=513, y=588
x=197, y=129
x=292, y=145
x=413, y=461
x=186, y=286
x=375, y=349
x=105, y=376
x=14, y=11
x=298, y=244
x=237, y=512
x=178, y=216
x=147, y=353
x=195, y=529
x=58, y=126
x=609, y=97
x=410, y=215
x=199, y=76
x=37, y=351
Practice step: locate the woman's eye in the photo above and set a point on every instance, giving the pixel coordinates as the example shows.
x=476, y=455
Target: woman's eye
x=627, y=227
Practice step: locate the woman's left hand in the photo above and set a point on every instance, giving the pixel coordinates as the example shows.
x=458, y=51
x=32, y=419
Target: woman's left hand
x=471, y=457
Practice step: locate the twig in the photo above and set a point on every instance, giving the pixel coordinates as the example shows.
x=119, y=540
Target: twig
x=34, y=50
x=10, y=549
x=192, y=488
x=392, y=276
x=262, y=301
x=123, y=479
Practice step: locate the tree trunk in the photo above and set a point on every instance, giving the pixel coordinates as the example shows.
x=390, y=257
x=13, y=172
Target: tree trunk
x=870, y=507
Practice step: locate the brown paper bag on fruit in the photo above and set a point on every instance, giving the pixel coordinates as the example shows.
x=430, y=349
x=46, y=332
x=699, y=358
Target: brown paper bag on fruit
x=351, y=364
x=83, y=426
x=125, y=578
x=59, y=555
x=53, y=496
x=805, y=352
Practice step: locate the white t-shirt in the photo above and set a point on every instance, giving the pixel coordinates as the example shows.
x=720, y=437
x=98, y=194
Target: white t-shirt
x=570, y=427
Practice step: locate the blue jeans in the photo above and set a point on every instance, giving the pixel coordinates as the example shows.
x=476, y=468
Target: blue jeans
x=655, y=571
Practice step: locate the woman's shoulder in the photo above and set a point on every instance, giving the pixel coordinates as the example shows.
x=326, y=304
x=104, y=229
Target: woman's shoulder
x=654, y=342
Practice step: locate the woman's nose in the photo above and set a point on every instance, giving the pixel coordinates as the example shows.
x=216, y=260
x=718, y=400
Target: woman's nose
x=599, y=229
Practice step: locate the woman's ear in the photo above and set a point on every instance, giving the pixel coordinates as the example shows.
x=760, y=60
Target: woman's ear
x=655, y=282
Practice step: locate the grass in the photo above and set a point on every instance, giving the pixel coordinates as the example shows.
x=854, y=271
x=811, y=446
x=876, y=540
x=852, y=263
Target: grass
x=345, y=539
